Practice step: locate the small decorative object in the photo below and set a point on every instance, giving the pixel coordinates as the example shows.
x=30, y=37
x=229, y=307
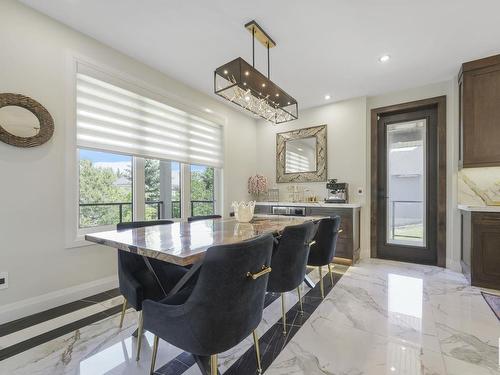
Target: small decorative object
x=23, y=121
x=257, y=186
x=243, y=211
x=273, y=195
x=295, y=193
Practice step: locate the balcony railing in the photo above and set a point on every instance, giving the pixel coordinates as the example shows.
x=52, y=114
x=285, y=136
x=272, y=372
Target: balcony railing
x=198, y=208
x=394, y=226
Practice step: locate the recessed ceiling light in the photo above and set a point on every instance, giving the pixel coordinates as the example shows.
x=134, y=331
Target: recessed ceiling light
x=247, y=73
x=225, y=71
x=384, y=58
x=263, y=85
x=208, y=110
x=327, y=97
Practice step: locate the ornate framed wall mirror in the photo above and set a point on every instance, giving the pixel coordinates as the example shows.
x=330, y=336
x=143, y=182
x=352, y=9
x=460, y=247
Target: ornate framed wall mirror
x=301, y=155
x=23, y=121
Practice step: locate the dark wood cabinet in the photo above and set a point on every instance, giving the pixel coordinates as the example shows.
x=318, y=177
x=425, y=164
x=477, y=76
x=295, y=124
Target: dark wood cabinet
x=479, y=111
x=481, y=248
x=348, y=242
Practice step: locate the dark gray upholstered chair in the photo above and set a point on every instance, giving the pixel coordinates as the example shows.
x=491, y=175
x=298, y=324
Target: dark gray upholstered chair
x=222, y=308
x=206, y=217
x=323, y=247
x=137, y=282
x=289, y=262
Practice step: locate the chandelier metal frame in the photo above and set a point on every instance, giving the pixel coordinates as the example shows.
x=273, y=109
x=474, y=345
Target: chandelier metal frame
x=242, y=84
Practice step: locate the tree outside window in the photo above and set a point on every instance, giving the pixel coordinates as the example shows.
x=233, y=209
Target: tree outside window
x=202, y=190
x=105, y=186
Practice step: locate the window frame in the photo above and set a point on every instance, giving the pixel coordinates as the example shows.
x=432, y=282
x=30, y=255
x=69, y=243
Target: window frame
x=74, y=236
x=139, y=195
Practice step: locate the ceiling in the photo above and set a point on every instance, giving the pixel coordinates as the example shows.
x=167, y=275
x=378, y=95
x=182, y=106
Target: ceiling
x=323, y=46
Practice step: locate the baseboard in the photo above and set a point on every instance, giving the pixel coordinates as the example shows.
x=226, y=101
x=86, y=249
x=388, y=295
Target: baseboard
x=29, y=306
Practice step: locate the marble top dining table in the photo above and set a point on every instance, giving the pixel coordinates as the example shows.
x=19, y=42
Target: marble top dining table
x=185, y=243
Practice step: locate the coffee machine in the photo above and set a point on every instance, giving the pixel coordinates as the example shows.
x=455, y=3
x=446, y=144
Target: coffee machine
x=337, y=192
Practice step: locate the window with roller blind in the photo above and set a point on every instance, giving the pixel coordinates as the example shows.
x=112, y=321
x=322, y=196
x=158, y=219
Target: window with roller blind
x=140, y=158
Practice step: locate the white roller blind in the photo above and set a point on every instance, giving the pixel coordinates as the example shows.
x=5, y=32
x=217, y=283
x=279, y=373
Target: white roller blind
x=112, y=118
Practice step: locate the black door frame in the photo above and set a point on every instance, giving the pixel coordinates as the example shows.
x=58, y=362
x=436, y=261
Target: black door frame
x=439, y=103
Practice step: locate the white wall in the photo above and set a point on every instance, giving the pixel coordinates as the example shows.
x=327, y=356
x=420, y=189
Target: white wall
x=33, y=62
x=346, y=125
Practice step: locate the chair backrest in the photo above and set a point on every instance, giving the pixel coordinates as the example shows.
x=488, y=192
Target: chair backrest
x=206, y=217
x=226, y=302
x=132, y=269
x=290, y=258
x=323, y=250
x=141, y=224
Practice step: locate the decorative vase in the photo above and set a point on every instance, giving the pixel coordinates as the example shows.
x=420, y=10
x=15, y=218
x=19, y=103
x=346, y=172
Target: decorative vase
x=243, y=211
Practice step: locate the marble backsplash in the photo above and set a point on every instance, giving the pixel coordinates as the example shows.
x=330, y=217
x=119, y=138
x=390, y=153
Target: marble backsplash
x=479, y=186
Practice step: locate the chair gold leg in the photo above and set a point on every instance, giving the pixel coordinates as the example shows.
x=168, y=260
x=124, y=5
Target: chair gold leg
x=257, y=351
x=139, y=337
x=153, y=357
x=213, y=364
x=300, y=301
x=124, y=308
x=283, y=312
x=322, y=287
x=330, y=267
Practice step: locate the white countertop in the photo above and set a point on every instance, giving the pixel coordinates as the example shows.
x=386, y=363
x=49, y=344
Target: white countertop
x=465, y=207
x=311, y=204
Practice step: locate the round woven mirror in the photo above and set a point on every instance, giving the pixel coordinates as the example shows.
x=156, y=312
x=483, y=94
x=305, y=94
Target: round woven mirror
x=23, y=121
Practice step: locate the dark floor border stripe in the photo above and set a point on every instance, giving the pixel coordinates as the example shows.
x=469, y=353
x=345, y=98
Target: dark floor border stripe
x=55, y=333
x=28, y=321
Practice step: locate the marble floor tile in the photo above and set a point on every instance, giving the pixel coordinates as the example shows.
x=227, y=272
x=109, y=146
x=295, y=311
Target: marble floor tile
x=381, y=317
x=95, y=349
x=373, y=312
x=469, y=336
x=444, y=325
x=38, y=329
x=326, y=347
x=457, y=367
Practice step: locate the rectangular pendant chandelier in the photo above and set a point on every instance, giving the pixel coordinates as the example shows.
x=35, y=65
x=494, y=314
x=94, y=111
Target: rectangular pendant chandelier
x=242, y=84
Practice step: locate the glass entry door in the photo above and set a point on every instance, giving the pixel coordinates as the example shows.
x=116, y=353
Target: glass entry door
x=407, y=192
x=406, y=182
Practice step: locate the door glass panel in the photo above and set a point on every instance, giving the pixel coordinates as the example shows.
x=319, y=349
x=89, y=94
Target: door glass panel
x=406, y=183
